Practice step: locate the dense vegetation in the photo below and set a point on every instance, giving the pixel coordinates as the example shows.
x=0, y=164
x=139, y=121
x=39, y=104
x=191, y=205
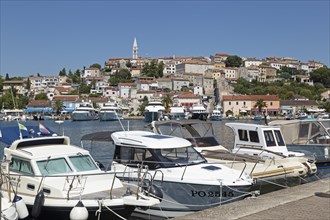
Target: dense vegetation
x=286, y=87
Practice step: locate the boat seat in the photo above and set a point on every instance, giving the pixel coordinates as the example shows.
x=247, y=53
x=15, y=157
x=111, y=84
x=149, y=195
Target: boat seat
x=152, y=163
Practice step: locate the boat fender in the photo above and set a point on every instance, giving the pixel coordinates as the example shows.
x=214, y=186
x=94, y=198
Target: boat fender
x=21, y=208
x=154, y=191
x=309, y=170
x=79, y=212
x=326, y=152
x=38, y=203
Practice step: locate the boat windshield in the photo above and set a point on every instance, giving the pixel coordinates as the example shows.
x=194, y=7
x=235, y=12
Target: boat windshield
x=179, y=156
x=83, y=163
x=157, y=158
x=53, y=166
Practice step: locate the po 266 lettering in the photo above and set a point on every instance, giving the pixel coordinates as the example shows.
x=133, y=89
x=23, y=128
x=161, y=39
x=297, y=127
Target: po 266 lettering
x=195, y=193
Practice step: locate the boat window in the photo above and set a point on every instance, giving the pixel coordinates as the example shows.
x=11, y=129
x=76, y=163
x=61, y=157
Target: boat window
x=83, y=163
x=254, y=136
x=243, y=135
x=186, y=155
x=53, y=166
x=279, y=138
x=270, y=141
x=315, y=130
x=303, y=131
x=21, y=166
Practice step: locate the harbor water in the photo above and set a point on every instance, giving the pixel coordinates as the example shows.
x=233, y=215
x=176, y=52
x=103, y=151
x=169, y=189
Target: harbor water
x=76, y=129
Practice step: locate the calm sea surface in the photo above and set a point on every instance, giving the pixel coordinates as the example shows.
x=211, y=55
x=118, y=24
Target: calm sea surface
x=76, y=129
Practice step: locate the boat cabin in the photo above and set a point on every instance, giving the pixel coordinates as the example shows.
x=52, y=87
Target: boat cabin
x=154, y=150
x=259, y=140
x=48, y=156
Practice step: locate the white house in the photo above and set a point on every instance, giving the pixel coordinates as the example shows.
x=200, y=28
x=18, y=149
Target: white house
x=91, y=72
x=252, y=62
x=193, y=66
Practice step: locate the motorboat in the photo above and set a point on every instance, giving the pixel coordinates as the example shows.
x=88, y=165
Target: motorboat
x=270, y=169
x=311, y=137
x=56, y=178
x=216, y=115
x=177, y=112
x=110, y=111
x=84, y=112
x=198, y=111
x=187, y=182
x=154, y=111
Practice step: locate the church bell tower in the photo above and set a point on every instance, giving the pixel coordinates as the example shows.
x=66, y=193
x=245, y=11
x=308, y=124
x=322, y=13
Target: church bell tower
x=135, y=49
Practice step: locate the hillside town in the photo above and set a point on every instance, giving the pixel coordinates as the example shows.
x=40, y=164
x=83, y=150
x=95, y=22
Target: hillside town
x=183, y=81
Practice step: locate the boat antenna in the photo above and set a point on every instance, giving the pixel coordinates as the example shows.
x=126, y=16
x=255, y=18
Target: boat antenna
x=20, y=126
x=121, y=124
x=60, y=122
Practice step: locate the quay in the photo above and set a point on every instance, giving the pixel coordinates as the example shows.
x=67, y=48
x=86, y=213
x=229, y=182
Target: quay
x=307, y=201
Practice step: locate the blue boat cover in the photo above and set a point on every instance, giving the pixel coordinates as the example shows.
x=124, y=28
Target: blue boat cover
x=12, y=133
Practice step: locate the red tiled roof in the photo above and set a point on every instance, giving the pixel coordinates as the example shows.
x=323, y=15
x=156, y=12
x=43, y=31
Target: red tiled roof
x=72, y=98
x=250, y=97
x=39, y=103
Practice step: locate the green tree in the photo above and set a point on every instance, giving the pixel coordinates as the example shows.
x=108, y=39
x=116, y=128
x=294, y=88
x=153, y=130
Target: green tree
x=41, y=96
x=260, y=104
x=143, y=105
x=84, y=89
x=96, y=65
x=233, y=61
x=128, y=64
x=7, y=77
x=58, y=106
x=62, y=72
x=1, y=82
x=321, y=75
x=7, y=101
x=167, y=102
x=22, y=102
x=153, y=69
x=120, y=76
x=28, y=84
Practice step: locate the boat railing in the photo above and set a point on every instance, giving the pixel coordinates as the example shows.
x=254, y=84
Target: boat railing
x=74, y=184
x=139, y=172
x=250, y=147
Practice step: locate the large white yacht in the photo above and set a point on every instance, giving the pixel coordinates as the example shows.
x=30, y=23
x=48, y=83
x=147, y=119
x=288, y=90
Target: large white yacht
x=110, y=111
x=154, y=111
x=84, y=112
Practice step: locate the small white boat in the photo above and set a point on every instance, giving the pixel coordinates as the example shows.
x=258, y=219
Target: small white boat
x=154, y=111
x=188, y=183
x=110, y=111
x=198, y=111
x=84, y=112
x=54, y=177
x=268, y=171
x=177, y=112
x=216, y=115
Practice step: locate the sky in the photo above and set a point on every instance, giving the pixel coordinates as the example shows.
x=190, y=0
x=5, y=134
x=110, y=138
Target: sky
x=46, y=36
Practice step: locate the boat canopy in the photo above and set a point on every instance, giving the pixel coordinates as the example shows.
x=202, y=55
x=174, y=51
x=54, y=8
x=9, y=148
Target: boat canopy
x=12, y=133
x=39, y=110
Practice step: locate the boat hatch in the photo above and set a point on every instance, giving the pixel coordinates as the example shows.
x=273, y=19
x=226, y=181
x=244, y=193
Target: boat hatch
x=157, y=136
x=47, y=141
x=211, y=168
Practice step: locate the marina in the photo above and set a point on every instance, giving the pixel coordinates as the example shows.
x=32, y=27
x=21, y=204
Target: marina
x=222, y=133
